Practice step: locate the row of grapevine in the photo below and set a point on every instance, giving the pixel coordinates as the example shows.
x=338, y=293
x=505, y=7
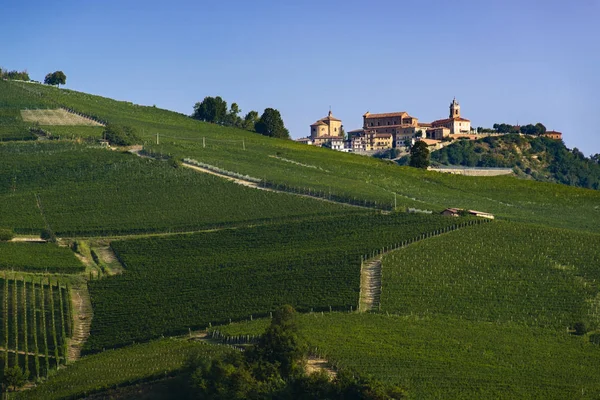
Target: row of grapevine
x=87, y=191
x=498, y=272
x=36, y=324
x=117, y=368
x=230, y=274
x=445, y=357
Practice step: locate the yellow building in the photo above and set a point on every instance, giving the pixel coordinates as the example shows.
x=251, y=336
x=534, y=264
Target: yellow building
x=327, y=127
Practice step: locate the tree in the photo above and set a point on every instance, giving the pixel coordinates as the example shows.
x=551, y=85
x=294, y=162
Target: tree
x=211, y=109
x=250, y=121
x=232, y=118
x=55, y=78
x=271, y=124
x=419, y=155
x=14, y=378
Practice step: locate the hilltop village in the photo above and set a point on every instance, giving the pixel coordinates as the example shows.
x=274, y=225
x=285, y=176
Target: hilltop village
x=397, y=130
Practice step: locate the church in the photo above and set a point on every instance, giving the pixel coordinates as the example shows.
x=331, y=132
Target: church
x=455, y=123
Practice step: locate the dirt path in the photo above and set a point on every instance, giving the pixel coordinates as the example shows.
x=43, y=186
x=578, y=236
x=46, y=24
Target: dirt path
x=28, y=239
x=110, y=260
x=315, y=364
x=82, y=320
x=370, y=286
x=22, y=352
x=257, y=186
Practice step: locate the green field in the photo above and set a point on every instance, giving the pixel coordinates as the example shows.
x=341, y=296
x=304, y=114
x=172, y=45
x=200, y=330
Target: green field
x=38, y=257
x=179, y=282
x=116, y=368
x=498, y=272
x=298, y=166
x=452, y=358
x=76, y=190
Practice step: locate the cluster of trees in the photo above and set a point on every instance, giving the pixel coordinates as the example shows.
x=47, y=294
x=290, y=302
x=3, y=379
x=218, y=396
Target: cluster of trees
x=214, y=110
x=274, y=368
x=529, y=129
x=539, y=157
x=16, y=75
x=55, y=78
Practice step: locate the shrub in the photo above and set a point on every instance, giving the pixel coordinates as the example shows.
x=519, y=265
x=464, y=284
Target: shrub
x=121, y=135
x=6, y=235
x=580, y=328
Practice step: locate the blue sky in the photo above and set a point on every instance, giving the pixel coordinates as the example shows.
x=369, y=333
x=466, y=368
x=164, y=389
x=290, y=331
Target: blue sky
x=505, y=61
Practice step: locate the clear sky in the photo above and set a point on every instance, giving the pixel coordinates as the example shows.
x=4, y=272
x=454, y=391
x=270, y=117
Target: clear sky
x=505, y=61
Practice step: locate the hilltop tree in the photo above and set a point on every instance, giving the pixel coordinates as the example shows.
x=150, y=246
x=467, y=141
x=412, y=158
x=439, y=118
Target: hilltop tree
x=232, y=118
x=250, y=120
x=55, y=78
x=211, y=109
x=271, y=124
x=419, y=155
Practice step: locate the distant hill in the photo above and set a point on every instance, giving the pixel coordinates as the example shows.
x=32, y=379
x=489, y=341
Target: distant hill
x=539, y=158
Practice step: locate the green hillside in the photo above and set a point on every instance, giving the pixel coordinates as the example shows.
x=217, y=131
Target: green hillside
x=505, y=272
x=540, y=158
x=345, y=175
x=111, y=369
x=214, y=277
x=451, y=358
x=74, y=189
x=482, y=311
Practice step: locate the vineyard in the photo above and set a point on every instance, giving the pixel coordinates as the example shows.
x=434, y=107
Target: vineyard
x=115, y=368
x=451, y=358
x=36, y=257
x=498, y=272
x=35, y=324
x=300, y=168
x=72, y=189
x=183, y=282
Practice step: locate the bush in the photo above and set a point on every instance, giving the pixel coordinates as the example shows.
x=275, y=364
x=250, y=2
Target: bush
x=595, y=338
x=121, y=135
x=6, y=235
x=48, y=235
x=580, y=328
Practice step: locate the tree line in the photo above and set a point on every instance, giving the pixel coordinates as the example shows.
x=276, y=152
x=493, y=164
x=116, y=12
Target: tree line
x=214, y=110
x=14, y=75
x=529, y=129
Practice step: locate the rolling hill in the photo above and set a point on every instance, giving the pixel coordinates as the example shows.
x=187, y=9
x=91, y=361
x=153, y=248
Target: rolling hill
x=467, y=309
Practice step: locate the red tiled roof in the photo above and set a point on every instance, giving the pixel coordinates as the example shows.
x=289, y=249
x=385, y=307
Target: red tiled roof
x=443, y=121
x=387, y=115
x=319, y=122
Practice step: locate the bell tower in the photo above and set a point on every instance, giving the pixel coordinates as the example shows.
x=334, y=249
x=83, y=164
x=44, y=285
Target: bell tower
x=454, y=109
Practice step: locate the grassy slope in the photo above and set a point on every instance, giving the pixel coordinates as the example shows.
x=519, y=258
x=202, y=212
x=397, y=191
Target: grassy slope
x=137, y=363
x=93, y=191
x=343, y=174
x=38, y=258
x=451, y=358
x=187, y=281
x=498, y=272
